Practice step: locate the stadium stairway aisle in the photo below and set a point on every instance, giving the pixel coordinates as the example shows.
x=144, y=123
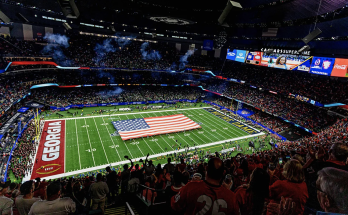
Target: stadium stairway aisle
x=119, y=210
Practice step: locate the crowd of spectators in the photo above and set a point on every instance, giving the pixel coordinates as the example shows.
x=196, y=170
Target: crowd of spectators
x=318, y=88
x=10, y=46
x=22, y=157
x=295, y=178
x=304, y=114
x=10, y=92
x=270, y=122
x=123, y=53
x=90, y=95
x=9, y=139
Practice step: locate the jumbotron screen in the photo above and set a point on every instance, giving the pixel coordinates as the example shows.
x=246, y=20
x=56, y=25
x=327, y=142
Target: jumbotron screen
x=286, y=61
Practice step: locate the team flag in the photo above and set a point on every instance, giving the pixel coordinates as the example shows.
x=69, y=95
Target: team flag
x=143, y=127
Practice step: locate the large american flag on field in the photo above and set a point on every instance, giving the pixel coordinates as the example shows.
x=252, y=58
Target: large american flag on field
x=136, y=128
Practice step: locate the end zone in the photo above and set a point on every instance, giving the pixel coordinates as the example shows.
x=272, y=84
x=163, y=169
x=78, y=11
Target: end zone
x=50, y=157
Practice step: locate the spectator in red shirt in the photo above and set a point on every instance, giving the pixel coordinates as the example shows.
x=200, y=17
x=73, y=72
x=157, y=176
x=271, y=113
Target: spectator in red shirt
x=251, y=198
x=206, y=197
x=332, y=190
x=293, y=187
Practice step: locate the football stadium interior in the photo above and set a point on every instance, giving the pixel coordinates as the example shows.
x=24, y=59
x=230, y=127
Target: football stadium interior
x=174, y=107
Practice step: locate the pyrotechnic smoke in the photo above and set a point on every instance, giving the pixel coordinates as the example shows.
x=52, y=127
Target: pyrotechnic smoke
x=55, y=43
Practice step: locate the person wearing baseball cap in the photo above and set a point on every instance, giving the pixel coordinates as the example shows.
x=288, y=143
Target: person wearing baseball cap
x=5, y=203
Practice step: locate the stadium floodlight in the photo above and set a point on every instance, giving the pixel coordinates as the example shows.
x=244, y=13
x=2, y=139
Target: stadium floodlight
x=69, y=8
x=311, y=35
x=269, y=51
x=224, y=17
x=304, y=48
x=4, y=18
x=67, y=26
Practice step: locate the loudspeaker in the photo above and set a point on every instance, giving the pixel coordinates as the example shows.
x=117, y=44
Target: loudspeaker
x=69, y=8
x=21, y=17
x=231, y=6
x=311, y=35
x=67, y=26
x=269, y=51
x=4, y=18
x=304, y=48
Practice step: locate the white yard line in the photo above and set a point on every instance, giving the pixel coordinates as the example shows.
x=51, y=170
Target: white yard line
x=138, y=144
x=77, y=142
x=222, y=130
x=101, y=141
x=151, y=156
x=234, y=119
x=113, y=141
x=207, y=124
x=152, y=136
x=90, y=143
x=183, y=138
x=125, y=114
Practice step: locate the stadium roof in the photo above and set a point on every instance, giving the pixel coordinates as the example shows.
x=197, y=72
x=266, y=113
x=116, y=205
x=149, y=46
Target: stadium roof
x=293, y=19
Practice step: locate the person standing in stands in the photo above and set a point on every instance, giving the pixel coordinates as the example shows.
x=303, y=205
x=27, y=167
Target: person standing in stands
x=98, y=192
x=54, y=204
x=251, y=197
x=206, y=197
x=26, y=199
x=169, y=167
x=293, y=187
x=111, y=181
x=5, y=203
x=125, y=175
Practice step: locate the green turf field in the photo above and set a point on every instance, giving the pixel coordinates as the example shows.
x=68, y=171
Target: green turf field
x=89, y=142
x=90, y=145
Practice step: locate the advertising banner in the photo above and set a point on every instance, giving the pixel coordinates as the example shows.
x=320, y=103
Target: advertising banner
x=322, y=65
x=340, y=68
x=231, y=54
x=23, y=110
x=241, y=55
x=208, y=45
x=304, y=66
x=254, y=58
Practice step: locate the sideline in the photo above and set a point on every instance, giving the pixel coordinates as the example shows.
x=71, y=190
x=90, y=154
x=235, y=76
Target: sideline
x=124, y=114
x=137, y=159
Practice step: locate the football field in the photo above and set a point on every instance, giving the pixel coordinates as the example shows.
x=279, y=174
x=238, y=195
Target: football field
x=91, y=142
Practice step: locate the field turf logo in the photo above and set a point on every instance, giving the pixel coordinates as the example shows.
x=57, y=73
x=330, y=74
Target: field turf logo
x=232, y=121
x=48, y=169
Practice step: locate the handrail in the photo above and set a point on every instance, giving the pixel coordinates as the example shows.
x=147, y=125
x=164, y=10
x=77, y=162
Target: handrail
x=129, y=208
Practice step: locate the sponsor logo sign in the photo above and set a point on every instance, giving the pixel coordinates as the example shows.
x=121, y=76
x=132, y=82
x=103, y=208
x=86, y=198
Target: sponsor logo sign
x=322, y=65
x=241, y=55
x=231, y=55
x=340, y=68
x=254, y=58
